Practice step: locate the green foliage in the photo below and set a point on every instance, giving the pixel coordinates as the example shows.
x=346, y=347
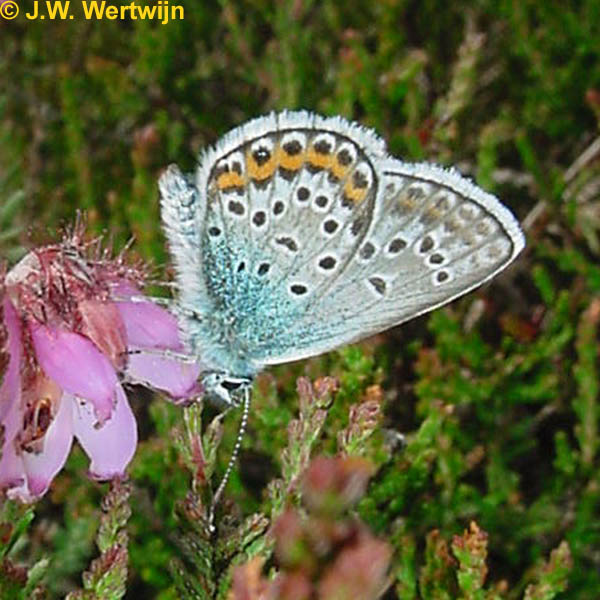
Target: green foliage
x=486, y=411
x=17, y=582
x=553, y=576
x=302, y=435
x=207, y=550
x=106, y=578
x=9, y=230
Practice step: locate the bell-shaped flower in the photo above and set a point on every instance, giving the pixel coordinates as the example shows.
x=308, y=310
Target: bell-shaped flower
x=73, y=328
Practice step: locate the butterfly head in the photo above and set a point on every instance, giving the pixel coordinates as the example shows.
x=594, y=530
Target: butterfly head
x=223, y=389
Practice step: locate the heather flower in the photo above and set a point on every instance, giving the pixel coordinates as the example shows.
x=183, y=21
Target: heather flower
x=72, y=329
x=321, y=553
x=358, y=571
x=292, y=545
x=334, y=484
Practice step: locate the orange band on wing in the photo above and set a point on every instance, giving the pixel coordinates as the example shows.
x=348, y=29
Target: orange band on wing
x=230, y=180
x=289, y=161
x=354, y=194
x=340, y=171
x=322, y=161
x=262, y=172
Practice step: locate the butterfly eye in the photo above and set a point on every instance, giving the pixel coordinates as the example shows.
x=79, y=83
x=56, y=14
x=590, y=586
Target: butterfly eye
x=293, y=143
x=231, y=386
x=261, y=155
x=260, y=162
x=292, y=155
x=360, y=179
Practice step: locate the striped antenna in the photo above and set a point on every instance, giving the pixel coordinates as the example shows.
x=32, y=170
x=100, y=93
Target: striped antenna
x=232, y=459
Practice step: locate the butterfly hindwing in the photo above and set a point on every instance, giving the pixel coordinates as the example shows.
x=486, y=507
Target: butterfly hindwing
x=434, y=237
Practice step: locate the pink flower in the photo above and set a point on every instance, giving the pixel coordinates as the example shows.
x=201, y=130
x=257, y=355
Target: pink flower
x=70, y=332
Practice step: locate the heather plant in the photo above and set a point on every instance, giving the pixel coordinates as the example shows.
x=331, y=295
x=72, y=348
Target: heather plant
x=454, y=457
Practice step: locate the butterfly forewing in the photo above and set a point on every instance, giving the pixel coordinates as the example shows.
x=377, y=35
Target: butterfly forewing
x=285, y=210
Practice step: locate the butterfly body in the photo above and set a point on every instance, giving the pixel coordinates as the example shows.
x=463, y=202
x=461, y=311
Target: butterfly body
x=299, y=234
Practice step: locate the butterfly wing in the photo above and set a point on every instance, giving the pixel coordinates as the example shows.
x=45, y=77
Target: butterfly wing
x=300, y=234
x=268, y=198
x=434, y=236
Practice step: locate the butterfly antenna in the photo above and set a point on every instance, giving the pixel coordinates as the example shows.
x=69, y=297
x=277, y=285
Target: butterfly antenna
x=232, y=459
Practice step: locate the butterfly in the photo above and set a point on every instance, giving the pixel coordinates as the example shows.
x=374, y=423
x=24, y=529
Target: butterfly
x=298, y=234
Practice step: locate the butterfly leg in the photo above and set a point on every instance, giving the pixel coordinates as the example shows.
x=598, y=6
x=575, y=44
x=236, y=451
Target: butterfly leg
x=168, y=302
x=165, y=353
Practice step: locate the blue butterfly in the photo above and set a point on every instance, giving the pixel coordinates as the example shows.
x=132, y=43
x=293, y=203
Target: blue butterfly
x=298, y=234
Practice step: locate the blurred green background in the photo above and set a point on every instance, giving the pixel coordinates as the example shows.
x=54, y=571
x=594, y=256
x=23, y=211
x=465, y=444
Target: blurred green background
x=497, y=394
